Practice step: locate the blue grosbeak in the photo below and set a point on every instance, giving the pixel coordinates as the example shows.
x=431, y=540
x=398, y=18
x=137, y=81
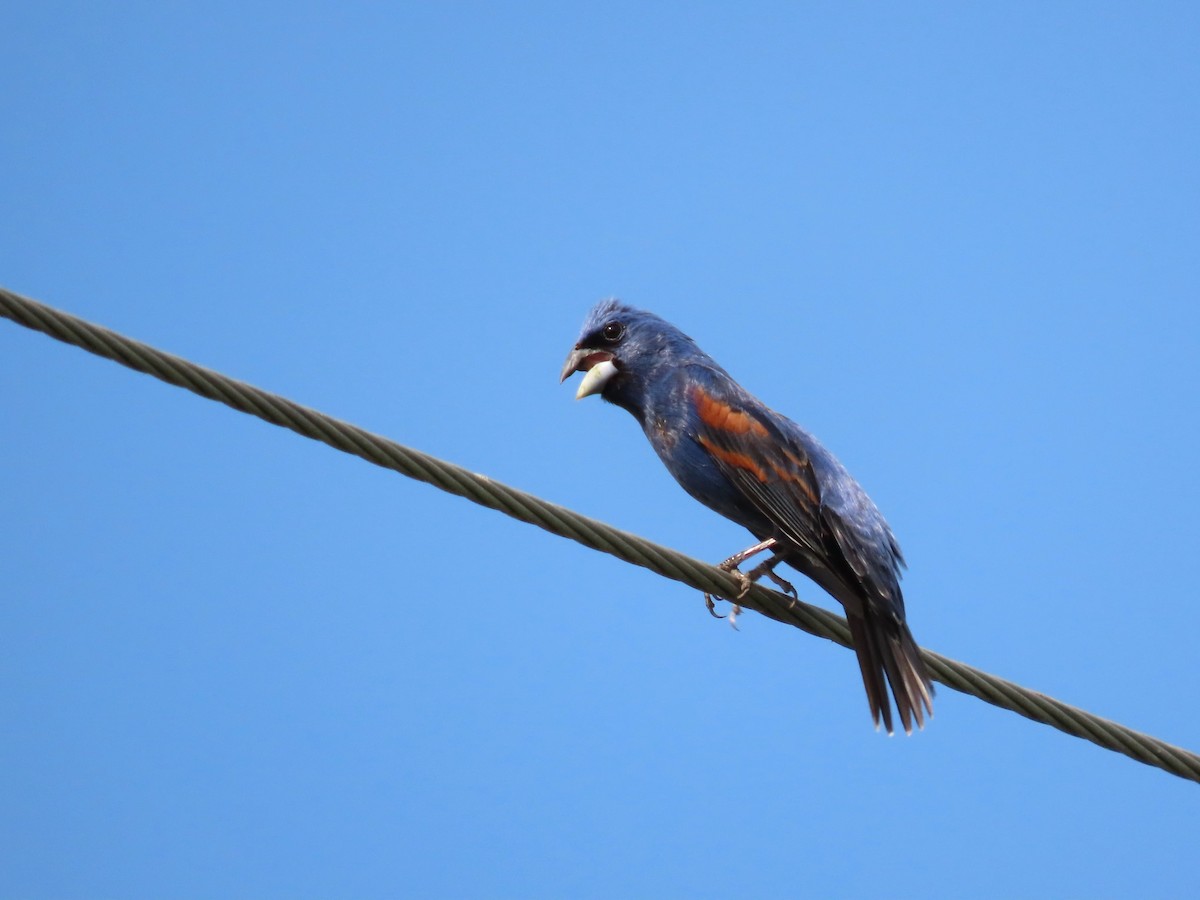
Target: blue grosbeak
x=765, y=472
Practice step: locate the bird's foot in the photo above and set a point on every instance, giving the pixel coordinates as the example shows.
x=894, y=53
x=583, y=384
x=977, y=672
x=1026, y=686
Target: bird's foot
x=768, y=569
x=745, y=581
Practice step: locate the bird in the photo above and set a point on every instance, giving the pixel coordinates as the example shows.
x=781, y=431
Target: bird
x=761, y=470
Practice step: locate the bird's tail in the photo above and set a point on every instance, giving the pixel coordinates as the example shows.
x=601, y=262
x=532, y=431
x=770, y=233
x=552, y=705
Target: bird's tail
x=886, y=649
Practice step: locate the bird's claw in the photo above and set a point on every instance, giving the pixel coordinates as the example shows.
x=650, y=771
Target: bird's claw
x=744, y=581
x=780, y=582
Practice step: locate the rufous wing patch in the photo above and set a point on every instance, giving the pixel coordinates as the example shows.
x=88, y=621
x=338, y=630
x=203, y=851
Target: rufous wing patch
x=719, y=415
x=732, y=458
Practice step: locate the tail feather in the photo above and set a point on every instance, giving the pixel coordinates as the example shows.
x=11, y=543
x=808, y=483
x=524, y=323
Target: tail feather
x=916, y=677
x=885, y=648
x=863, y=639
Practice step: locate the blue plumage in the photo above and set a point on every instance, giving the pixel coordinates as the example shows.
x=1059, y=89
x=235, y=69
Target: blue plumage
x=762, y=470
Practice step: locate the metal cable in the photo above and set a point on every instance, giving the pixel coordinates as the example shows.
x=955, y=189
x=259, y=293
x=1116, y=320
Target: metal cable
x=567, y=523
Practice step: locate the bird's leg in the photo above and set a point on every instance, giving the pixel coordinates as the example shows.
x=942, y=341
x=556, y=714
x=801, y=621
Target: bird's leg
x=731, y=566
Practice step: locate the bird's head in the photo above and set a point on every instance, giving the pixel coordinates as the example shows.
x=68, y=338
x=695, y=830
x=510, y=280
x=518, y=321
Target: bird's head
x=620, y=351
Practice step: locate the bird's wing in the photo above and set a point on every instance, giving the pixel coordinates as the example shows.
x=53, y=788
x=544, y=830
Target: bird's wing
x=768, y=460
x=773, y=474
x=866, y=544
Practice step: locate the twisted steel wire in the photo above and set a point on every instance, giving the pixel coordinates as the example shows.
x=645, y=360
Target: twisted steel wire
x=569, y=524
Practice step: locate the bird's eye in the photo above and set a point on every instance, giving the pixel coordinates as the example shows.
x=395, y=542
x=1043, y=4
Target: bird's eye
x=612, y=332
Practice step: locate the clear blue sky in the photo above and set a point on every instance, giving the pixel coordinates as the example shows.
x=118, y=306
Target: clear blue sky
x=958, y=242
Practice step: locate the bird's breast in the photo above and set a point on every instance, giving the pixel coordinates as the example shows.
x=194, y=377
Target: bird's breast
x=662, y=435
x=697, y=472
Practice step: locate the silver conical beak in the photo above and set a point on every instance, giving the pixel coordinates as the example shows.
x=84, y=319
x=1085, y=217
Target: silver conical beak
x=597, y=364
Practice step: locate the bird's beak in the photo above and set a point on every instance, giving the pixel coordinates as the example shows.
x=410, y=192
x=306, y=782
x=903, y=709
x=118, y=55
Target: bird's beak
x=598, y=364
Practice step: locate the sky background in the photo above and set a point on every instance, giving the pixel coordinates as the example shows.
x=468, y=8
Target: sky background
x=957, y=242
